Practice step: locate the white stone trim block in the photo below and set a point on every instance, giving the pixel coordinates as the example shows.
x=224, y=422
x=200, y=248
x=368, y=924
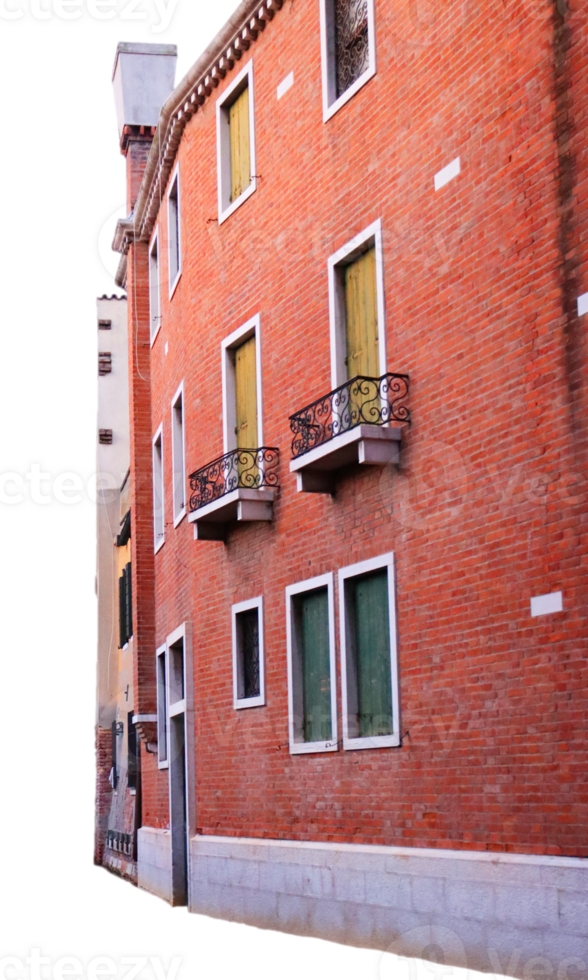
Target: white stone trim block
x=154, y=861
x=285, y=85
x=543, y=605
x=448, y=173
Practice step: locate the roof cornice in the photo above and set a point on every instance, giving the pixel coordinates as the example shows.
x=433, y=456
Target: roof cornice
x=219, y=58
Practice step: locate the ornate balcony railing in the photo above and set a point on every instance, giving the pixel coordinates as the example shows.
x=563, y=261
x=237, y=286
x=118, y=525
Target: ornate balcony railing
x=361, y=401
x=248, y=469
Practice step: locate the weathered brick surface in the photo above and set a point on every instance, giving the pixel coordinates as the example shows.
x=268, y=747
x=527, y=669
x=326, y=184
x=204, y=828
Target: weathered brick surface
x=488, y=506
x=103, y=790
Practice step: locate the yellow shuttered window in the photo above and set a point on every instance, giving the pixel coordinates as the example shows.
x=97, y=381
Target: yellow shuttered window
x=361, y=309
x=246, y=406
x=240, y=145
x=361, y=323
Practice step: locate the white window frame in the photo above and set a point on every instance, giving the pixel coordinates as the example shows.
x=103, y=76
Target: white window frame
x=154, y=287
x=372, y=235
x=158, y=488
x=332, y=104
x=226, y=207
x=162, y=708
x=186, y=708
x=237, y=608
x=319, y=582
x=352, y=571
x=175, y=181
x=178, y=457
x=179, y=705
x=252, y=328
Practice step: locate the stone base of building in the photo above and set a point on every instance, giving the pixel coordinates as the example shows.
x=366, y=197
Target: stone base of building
x=154, y=861
x=120, y=865
x=523, y=916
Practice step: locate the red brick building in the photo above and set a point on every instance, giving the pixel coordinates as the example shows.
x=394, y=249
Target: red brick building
x=357, y=270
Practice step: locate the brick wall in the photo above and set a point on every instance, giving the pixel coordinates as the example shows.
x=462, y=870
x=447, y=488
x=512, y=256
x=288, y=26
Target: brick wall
x=488, y=506
x=103, y=790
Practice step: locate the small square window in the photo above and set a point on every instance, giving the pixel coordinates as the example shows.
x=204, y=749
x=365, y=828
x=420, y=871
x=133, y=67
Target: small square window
x=174, y=233
x=235, y=110
x=348, y=50
x=369, y=671
x=311, y=666
x=248, y=659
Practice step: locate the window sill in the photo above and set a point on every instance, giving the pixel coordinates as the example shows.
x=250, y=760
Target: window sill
x=258, y=702
x=223, y=215
x=159, y=546
x=330, y=110
x=307, y=748
x=174, y=285
x=368, y=445
x=178, y=520
x=155, y=336
x=376, y=742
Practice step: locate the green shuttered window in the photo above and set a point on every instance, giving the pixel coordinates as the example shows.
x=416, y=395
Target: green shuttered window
x=125, y=605
x=311, y=623
x=368, y=654
x=370, y=637
x=311, y=673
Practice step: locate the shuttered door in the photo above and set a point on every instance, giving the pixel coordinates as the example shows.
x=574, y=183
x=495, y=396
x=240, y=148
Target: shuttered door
x=362, y=317
x=372, y=652
x=240, y=152
x=316, y=674
x=246, y=409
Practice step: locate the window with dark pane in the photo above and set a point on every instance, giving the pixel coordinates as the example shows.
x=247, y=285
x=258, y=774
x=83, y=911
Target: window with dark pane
x=133, y=750
x=351, y=42
x=174, y=231
x=125, y=601
x=368, y=664
x=161, y=707
x=312, y=666
x=248, y=654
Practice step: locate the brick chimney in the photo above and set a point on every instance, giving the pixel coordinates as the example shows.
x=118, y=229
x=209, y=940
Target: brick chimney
x=143, y=79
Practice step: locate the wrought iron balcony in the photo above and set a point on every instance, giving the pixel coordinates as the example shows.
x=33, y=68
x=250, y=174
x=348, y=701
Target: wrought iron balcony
x=351, y=424
x=238, y=486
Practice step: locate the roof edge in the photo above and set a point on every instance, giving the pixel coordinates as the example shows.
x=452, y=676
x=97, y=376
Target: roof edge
x=242, y=28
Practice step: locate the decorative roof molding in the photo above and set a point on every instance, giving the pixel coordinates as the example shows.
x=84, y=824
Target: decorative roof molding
x=219, y=58
x=101, y=295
